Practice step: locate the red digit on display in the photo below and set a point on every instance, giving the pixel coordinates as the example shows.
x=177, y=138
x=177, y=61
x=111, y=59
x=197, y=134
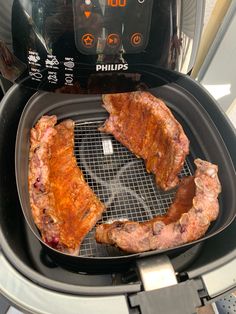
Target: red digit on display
x=117, y=3
x=122, y=3
x=112, y=3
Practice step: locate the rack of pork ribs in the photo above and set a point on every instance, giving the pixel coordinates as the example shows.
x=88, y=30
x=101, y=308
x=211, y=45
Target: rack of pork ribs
x=65, y=208
x=145, y=125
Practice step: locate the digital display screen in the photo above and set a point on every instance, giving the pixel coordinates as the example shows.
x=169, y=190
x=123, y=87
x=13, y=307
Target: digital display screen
x=112, y=27
x=116, y=3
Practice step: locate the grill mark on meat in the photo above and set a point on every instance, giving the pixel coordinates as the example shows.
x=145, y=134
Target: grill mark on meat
x=195, y=206
x=145, y=125
x=64, y=207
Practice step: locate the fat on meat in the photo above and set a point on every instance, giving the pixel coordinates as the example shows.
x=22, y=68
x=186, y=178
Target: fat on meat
x=195, y=206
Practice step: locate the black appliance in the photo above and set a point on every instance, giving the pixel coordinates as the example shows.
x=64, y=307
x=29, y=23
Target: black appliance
x=67, y=46
x=93, y=47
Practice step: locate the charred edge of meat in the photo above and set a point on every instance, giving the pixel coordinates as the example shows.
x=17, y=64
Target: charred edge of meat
x=197, y=213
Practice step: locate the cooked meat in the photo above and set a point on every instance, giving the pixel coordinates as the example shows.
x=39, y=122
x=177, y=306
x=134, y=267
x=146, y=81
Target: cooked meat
x=64, y=207
x=194, y=208
x=145, y=125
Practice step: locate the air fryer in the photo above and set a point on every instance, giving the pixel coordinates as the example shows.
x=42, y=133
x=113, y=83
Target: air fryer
x=68, y=46
x=61, y=56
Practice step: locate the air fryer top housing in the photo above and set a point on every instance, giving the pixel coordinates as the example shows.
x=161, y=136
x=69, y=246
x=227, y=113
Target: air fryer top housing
x=69, y=45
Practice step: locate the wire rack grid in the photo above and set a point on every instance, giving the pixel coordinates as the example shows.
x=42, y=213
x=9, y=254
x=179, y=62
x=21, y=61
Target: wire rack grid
x=120, y=180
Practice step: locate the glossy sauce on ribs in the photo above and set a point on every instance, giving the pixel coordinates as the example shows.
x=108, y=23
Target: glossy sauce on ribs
x=64, y=207
x=195, y=206
x=145, y=125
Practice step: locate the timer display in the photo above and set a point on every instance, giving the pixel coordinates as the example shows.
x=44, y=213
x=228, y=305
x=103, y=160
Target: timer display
x=112, y=27
x=116, y=3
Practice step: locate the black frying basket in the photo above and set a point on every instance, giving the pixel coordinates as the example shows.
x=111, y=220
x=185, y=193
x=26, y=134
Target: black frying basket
x=117, y=177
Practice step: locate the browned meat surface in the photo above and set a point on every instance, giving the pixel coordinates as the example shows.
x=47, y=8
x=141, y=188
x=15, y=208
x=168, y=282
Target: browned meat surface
x=145, y=125
x=64, y=207
x=194, y=208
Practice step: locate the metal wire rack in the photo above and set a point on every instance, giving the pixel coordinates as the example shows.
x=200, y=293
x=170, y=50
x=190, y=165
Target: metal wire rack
x=119, y=179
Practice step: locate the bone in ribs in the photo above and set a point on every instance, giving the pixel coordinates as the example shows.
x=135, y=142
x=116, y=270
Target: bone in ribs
x=194, y=208
x=145, y=125
x=64, y=207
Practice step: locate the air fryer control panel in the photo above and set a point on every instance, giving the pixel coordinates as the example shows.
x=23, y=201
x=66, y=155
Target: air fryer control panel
x=96, y=46
x=112, y=26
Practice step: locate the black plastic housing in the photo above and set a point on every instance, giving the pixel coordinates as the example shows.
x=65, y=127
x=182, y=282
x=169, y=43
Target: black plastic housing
x=56, y=46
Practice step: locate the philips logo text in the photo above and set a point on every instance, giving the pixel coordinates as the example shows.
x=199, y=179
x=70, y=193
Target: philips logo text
x=111, y=67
